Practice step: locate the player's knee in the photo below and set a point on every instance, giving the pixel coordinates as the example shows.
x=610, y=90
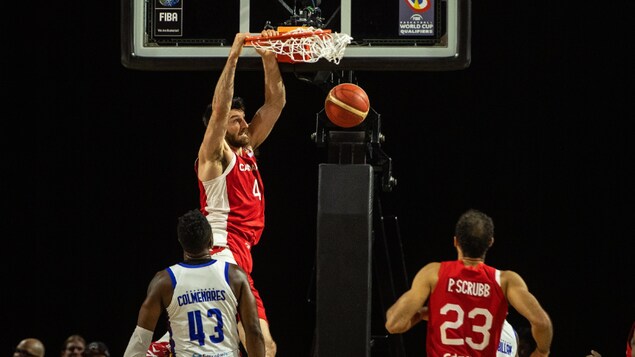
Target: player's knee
x=270, y=347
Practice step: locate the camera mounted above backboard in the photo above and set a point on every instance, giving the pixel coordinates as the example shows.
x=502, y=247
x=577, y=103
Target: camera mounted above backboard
x=308, y=14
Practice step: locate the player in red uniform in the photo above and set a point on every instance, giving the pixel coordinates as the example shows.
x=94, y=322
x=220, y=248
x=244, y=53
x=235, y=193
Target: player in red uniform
x=467, y=299
x=231, y=189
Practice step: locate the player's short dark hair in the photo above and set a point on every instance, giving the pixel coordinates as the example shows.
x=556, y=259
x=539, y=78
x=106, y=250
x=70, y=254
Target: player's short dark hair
x=194, y=231
x=237, y=103
x=474, y=231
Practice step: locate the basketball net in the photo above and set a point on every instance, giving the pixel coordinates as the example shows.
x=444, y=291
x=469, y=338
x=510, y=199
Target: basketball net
x=304, y=44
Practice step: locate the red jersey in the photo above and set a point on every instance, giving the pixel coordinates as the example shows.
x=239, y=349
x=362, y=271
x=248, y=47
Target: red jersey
x=467, y=310
x=234, y=205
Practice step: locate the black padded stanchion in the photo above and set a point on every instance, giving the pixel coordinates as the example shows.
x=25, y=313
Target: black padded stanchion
x=344, y=251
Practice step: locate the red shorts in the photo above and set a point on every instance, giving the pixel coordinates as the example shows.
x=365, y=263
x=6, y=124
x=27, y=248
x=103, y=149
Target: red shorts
x=159, y=349
x=241, y=256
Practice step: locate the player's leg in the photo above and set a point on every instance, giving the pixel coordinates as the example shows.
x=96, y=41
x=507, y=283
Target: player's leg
x=241, y=334
x=270, y=345
x=242, y=257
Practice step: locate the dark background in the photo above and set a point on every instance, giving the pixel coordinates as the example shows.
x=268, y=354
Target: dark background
x=98, y=164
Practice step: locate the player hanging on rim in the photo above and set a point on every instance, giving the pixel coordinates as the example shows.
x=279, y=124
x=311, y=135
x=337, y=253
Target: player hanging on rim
x=231, y=189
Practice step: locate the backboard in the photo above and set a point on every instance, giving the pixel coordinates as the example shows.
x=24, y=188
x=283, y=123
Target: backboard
x=387, y=35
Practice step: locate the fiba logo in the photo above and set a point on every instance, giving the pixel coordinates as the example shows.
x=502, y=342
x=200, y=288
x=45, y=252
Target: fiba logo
x=416, y=17
x=169, y=3
x=419, y=5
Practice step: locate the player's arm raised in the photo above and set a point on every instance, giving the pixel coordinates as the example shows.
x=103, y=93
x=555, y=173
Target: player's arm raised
x=212, y=150
x=275, y=97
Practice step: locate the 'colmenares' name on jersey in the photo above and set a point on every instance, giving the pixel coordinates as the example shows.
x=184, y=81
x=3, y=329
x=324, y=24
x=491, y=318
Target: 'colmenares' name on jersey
x=192, y=297
x=468, y=287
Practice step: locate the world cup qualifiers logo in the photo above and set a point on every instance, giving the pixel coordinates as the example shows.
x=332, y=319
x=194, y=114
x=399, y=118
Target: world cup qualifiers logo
x=418, y=5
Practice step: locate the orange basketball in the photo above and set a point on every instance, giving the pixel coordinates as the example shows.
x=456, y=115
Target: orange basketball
x=346, y=105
